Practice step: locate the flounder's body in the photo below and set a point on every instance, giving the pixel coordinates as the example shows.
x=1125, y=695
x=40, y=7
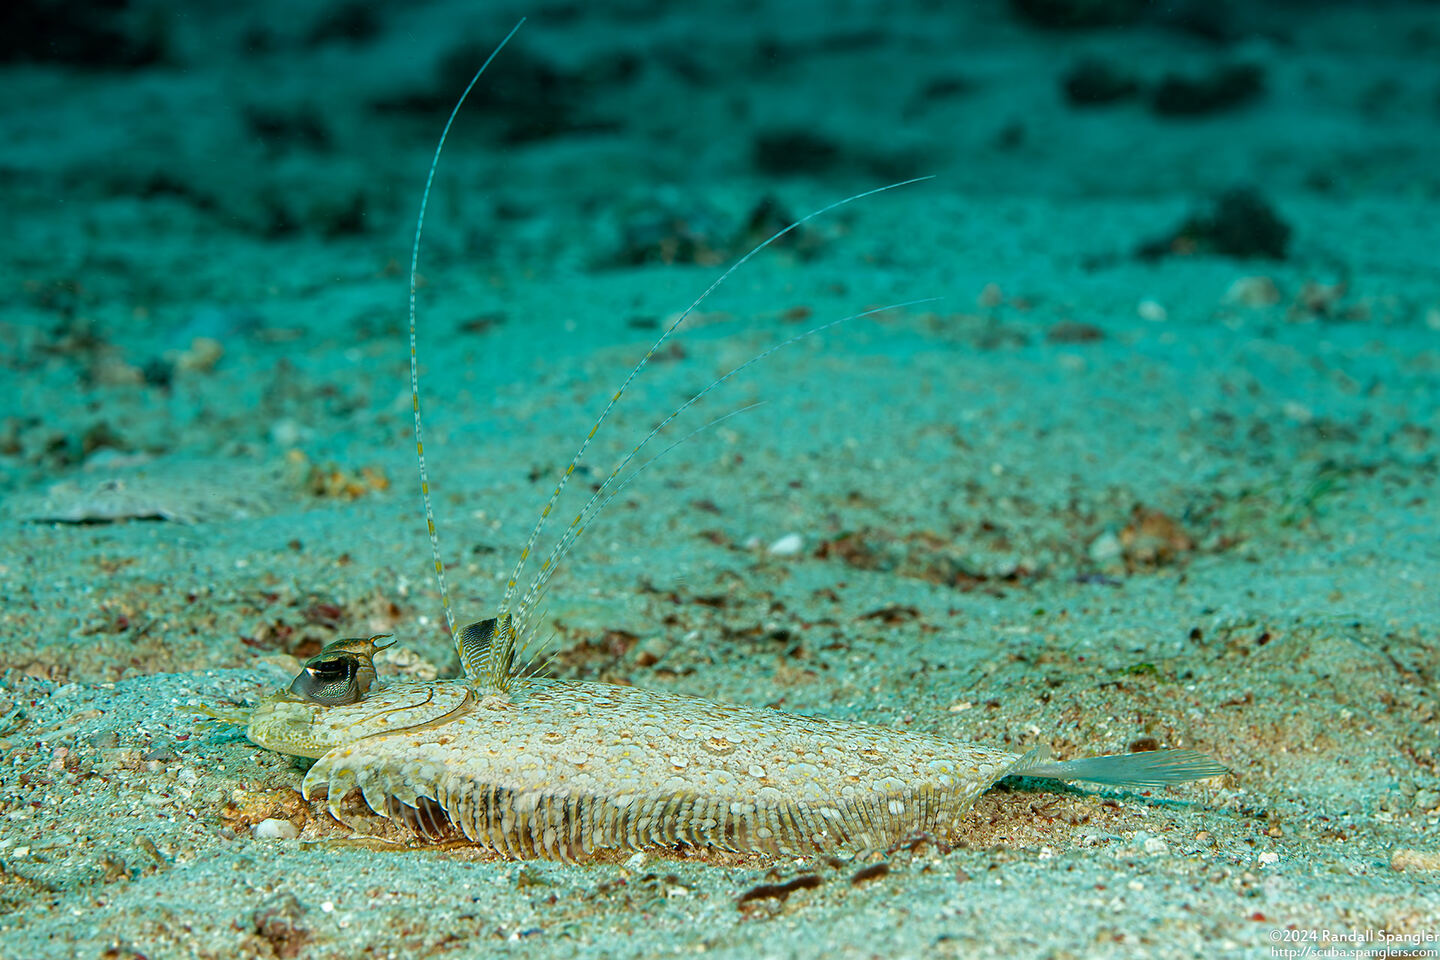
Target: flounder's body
x=540, y=767
x=563, y=769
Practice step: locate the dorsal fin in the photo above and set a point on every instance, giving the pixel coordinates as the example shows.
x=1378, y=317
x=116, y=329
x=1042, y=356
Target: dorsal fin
x=475, y=642
x=487, y=649
x=527, y=599
x=415, y=366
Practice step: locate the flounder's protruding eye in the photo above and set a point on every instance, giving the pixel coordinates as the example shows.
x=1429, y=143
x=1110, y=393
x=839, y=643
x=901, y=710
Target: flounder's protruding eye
x=329, y=682
x=338, y=675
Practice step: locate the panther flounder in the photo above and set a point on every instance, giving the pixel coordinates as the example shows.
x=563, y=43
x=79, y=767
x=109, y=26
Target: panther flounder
x=537, y=767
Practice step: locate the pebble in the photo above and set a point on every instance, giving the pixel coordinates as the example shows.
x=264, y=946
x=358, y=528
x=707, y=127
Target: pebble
x=1106, y=548
x=787, y=546
x=288, y=433
x=273, y=829
x=651, y=650
x=1297, y=412
x=1152, y=310
x=1253, y=292
x=202, y=356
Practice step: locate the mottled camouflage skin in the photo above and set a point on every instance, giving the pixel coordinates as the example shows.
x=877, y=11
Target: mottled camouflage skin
x=562, y=769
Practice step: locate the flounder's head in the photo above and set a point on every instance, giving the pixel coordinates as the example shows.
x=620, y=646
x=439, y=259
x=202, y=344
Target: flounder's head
x=335, y=699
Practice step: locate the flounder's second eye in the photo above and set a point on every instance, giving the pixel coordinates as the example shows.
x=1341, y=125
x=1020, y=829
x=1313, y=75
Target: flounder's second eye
x=330, y=682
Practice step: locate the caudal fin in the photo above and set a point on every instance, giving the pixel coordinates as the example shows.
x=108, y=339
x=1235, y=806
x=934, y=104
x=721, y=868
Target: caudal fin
x=1152, y=768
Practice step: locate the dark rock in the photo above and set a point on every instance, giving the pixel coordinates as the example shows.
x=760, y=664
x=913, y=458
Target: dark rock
x=90, y=33
x=1224, y=88
x=1242, y=224
x=1093, y=81
x=786, y=152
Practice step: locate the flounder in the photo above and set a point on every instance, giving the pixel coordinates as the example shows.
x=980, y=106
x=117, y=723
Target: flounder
x=530, y=766
x=562, y=769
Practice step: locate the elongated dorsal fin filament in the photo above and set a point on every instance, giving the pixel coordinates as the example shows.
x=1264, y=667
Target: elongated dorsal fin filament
x=487, y=649
x=414, y=365
x=528, y=599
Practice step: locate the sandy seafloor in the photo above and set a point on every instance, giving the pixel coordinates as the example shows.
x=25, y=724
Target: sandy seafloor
x=1084, y=500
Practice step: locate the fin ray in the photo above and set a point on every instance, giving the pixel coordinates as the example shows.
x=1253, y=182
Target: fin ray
x=1152, y=768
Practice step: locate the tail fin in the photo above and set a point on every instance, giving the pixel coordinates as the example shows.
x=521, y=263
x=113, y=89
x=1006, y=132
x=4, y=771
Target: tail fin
x=1152, y=768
